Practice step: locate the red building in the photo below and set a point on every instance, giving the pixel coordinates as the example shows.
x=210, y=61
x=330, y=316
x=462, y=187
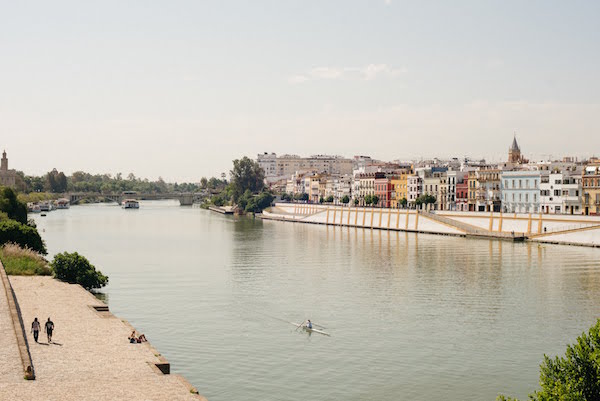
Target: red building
x=462, y=195
x=383, y=189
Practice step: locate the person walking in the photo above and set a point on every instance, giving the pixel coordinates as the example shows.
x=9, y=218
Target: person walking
x=35, y=329
x=49, y=327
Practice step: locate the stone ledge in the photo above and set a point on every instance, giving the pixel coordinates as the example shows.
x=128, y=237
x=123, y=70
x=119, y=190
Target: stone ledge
x=18, y=327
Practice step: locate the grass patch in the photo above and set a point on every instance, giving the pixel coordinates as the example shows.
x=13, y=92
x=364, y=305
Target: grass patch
x=19, y=261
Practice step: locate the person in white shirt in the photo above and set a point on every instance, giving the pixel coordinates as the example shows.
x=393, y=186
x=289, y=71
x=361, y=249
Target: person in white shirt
x=35, y=329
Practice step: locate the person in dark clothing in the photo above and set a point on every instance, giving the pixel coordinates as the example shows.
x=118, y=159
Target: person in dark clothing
x=35, y=329
x=49, y=328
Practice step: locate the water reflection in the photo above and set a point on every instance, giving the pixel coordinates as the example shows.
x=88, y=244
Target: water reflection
x=412, y=316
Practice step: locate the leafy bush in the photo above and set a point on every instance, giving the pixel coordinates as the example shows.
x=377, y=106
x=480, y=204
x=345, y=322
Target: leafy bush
x=11, y=231
x=23, y=261
x=345, y=199
x=76, y=269
x=10, y=205
x=576, y=376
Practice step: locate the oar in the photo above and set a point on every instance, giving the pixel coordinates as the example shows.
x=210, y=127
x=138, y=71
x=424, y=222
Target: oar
x=316, y=324
x=300, y=325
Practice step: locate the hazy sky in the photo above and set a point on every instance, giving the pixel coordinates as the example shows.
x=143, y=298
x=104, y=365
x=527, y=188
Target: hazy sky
x=180, y=88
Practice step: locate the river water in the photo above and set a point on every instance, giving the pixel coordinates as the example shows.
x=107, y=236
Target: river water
x=411, y=317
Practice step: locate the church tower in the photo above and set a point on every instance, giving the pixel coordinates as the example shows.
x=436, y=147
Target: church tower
x=514, y=152
x=4, y=165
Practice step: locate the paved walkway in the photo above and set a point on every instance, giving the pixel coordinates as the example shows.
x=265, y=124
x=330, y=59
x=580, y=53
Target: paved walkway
x=11, y=369
x=90, y=357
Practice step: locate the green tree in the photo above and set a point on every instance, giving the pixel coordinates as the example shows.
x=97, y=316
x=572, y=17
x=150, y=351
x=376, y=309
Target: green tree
x=260, y=202
x=345, y=199
x=301, y=197
x=76, y=269
x=356, y=202
x=203, y=183
x=576, y=376
x=246, y=175
x=10, y=205
x=403, y=202
x=11, y=231
x=329, y=199
x=375, y=200
x=368, y=199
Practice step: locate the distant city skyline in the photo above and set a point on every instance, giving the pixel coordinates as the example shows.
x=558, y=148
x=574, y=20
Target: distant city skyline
x=179, y=90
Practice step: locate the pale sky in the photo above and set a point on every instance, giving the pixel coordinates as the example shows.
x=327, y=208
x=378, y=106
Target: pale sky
x=180, y=88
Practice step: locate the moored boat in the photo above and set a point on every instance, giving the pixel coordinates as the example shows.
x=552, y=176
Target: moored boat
x=130, y=204
x=63, y=203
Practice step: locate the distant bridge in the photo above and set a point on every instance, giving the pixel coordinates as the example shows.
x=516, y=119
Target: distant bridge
x=185, y=198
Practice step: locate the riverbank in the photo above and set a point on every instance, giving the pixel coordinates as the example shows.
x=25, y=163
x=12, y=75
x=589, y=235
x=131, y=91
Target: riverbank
x=90, y=357
x=555, y=229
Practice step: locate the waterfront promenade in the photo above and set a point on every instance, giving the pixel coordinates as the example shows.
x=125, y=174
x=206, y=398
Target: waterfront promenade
x=546, y=228
x=90, y=357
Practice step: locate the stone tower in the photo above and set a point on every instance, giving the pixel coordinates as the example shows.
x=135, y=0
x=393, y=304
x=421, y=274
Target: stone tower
x=4, y=165
x=514, y=152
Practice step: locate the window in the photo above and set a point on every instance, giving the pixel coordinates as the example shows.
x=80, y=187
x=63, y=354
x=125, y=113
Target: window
x=526, y=197
x=534, y=197
x=526, y=183
x=513, y=197
x=520, y=184
x=520, y=197
x=513, y=183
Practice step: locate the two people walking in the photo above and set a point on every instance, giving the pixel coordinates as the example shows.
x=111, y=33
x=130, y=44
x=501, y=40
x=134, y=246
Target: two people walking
x=48, y=328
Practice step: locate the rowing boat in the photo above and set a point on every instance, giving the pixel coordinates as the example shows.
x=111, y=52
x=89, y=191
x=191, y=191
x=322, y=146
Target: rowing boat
x=313, y=330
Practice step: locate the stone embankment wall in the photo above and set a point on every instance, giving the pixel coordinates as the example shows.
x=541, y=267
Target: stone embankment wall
x=564, y=229
x=378, y=218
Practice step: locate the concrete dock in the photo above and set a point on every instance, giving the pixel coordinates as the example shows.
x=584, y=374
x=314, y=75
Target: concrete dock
x=90, y=357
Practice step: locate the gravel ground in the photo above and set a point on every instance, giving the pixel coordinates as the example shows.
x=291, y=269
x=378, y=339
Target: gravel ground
x=89, y=358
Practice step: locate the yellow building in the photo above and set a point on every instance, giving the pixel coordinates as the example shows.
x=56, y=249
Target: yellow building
x=399, y=190
x=590, y=186
x=472, y=190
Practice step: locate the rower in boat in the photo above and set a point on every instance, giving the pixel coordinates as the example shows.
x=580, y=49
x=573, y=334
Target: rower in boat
x=309, y=324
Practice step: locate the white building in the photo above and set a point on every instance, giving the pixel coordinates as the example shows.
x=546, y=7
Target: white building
x=415, y=189
x=521, y=191
x=342, y=186
x=268, y=162
x=561, y=193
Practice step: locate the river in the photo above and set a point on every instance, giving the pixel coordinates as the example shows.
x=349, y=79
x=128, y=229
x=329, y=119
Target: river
x=411, y=316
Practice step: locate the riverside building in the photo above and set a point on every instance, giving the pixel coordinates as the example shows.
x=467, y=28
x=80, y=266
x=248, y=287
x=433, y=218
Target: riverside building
x=8, y=178
x=286, y=165
x=590, y=182
x=521, y=191
x=560, y=192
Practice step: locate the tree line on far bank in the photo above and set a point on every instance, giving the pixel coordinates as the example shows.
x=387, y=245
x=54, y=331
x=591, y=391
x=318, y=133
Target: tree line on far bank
x=57, y=182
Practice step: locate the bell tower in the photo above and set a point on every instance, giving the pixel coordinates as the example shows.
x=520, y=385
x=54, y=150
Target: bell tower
x=514, y=152
x=4, y=164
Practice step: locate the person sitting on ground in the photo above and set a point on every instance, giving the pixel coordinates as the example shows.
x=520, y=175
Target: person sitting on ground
x=132, y=338
x=142, y=338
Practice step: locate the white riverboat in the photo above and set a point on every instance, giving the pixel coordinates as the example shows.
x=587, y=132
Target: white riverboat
x=63, y=203
x=130, y=204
